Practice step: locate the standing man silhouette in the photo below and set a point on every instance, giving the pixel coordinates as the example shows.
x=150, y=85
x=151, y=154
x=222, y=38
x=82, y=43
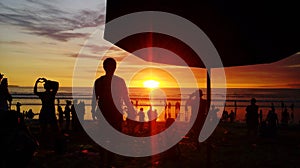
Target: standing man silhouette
x=252, y=118
x=110, y=93
x=67, y=113
x=60, y=114
x=152, y=116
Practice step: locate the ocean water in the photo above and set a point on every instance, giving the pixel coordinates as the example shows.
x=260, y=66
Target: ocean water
x=142, y=97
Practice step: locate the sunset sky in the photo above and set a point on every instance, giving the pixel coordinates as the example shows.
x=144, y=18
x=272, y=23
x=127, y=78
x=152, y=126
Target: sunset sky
x=45, y=39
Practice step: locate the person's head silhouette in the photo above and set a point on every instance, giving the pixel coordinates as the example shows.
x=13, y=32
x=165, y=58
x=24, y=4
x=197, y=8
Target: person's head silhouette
x=1, y=76
x=68, y=102
x=197, y=94
x=47, y=86
x=109, y=66
x=200, y=93
x=4, y=82
x=253, y=101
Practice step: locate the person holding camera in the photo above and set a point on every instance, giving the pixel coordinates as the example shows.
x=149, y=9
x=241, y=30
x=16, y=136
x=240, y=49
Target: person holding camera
x=199, y=112
x=47, y=112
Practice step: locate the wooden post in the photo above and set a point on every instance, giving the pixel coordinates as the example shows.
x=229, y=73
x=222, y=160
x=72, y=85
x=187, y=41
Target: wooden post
x=208, y=88
x=208, y=97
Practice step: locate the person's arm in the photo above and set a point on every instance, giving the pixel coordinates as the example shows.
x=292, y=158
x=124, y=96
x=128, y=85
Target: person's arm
x=131, y=111
x=35, y=87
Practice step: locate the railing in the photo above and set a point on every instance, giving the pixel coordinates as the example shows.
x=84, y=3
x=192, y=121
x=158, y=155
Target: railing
x=31, y=101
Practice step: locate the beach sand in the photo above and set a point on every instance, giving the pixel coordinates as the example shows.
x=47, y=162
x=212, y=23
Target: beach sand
x=228, y=146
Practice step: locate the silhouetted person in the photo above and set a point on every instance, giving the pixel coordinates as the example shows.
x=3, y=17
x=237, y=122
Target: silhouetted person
x=252, y=117
x=199, y=112
x=136, y=104
x=225, y=115
x=292, y=117
x=272, y=122
x=67, y=113
x=292, y=106
x=155, y=114
x=110, y=92
x=169, y=109
x=152, y=116
x=285, y=117
x=60, y=114
x=75, y=121
x=177, y=109
x=30, y=114
x=24, y=114
x=81, y=110
x=18, y=107
x=213, y=116
x=17, y=143
x=141, y=116
x=47, y=112
x=74, y=115
x=5, y=96
x=272, y=106
x=79, y=113
x=166, y=112
x=235, y=108
x=282, y=106
x=231, y=116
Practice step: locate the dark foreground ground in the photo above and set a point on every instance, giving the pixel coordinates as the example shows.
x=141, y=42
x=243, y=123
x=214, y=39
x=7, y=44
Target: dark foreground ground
x=228, y=146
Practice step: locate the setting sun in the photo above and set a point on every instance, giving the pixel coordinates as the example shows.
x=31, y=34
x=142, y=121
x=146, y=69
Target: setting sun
x=153, y=78
x=151, y=84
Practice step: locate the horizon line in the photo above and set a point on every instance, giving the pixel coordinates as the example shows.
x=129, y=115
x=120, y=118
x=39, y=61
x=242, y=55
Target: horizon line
x=263, y=87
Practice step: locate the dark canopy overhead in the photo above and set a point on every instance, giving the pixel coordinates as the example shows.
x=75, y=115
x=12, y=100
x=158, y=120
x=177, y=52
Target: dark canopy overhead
x=243, y=32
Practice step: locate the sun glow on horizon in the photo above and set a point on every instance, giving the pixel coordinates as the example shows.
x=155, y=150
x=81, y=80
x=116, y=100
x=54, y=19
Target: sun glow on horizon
x=151, y=84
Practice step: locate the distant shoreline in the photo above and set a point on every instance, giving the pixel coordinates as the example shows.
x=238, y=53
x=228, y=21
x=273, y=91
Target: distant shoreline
x=15, y=86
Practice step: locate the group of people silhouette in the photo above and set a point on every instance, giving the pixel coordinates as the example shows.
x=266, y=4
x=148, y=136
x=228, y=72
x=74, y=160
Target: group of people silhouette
x=228, y=116
x=51, y=131
x=110, y=95
x=18, y=144
x=152, y=118
x=268, y=126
